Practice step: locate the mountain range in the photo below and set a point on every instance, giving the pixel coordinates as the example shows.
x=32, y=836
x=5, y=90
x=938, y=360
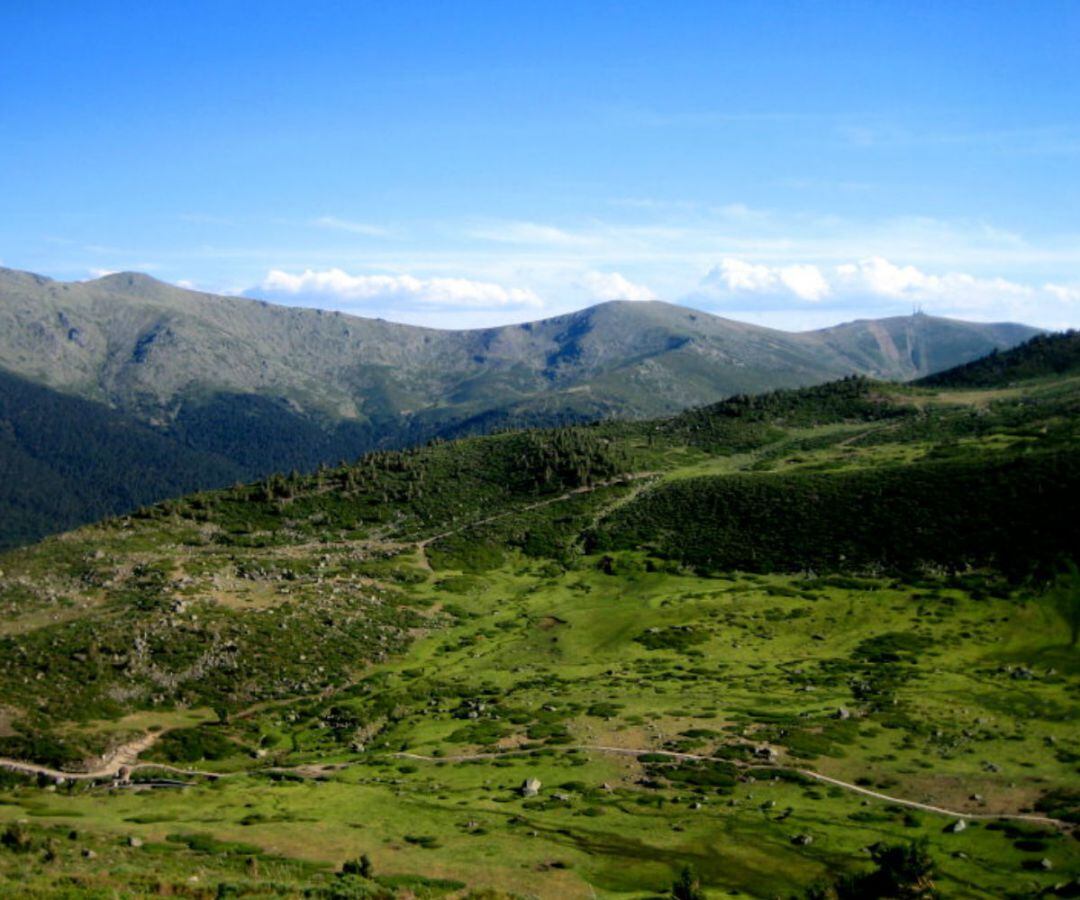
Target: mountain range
x=229, y=388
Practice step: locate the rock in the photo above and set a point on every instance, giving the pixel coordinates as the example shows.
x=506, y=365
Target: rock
x=978, y=798
x=565, y=798
x=801, y=840
x=956, y=827
x=530, y=787
x=1045, y=864
x=134, y=841
x=89, y=854
x=766, y=753
x=842, y=713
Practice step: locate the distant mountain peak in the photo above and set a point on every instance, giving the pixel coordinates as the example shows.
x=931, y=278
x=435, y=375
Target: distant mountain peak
x=130, y=281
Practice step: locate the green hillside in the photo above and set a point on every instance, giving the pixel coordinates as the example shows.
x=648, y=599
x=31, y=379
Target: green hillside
x=1041, y=356
x=755, y=639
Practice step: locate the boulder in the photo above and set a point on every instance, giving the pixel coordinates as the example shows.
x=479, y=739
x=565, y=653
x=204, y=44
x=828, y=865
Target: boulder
x=530, y=787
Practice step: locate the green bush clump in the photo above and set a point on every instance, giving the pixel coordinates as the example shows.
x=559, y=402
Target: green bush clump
x=190, y=745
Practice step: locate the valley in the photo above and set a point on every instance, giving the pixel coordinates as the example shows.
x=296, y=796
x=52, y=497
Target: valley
x=757, y=638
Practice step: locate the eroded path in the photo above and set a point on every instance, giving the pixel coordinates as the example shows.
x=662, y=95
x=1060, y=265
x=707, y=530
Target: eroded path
x=125, y=756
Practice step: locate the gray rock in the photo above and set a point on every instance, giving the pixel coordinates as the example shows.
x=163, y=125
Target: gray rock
x=530, y=787
x=956, y=827
x=801, y=840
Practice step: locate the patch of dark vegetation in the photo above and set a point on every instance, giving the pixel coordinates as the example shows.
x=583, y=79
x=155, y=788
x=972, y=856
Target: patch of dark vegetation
x=1042, y=355
x=900, y=519
x=674, y=637
x=1061, y=803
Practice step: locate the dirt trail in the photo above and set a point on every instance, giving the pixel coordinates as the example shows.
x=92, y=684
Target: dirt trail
x=585, y=489
x=124, y=756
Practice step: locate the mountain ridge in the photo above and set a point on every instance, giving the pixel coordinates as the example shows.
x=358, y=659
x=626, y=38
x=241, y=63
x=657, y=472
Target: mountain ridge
x=129, y=340
x=239, y=387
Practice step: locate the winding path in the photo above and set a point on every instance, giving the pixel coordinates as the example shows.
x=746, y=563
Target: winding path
x=126, y=757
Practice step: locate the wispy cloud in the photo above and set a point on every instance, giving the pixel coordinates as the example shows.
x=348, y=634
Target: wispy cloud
x=533, y=233
x=363, y=228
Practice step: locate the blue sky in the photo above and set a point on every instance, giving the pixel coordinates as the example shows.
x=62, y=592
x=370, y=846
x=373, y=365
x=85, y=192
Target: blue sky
x=456, y=164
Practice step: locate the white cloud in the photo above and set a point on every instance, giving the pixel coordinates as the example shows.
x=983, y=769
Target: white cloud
x=874, y=286
x=102, y=273
x=804, y=281
x=872, y=278
x=1065, y=293
x=959, y=290
x=615, y=286
x=337, y=287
